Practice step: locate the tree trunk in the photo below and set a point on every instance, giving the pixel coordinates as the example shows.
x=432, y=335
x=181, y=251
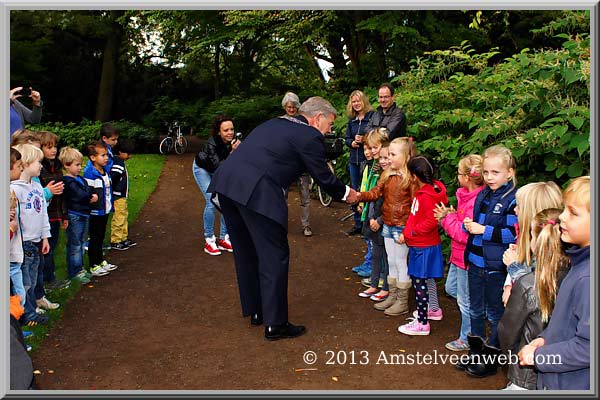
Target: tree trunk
x=110, y=60
x=217, y=69
x=313, y=59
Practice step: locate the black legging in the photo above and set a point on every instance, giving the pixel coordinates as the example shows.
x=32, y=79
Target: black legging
x=97, y=230
x=422, y=296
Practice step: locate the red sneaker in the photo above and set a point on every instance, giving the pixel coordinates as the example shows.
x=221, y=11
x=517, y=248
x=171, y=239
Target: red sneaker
x=211, y=248
x=224, y=244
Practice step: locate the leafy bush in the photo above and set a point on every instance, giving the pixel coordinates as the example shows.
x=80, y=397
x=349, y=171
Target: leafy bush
x=246, y=112
x=534, y=103
x=81, y=134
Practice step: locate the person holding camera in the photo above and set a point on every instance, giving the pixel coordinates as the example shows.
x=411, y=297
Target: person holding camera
x=19, y=113
x=216, y=149
x=359, y=112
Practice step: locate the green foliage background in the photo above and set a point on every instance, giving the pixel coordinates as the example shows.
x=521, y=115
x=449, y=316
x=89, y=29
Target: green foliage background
x=458, y=100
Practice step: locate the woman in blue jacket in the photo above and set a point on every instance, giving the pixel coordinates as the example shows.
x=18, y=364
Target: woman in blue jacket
x=359, y=112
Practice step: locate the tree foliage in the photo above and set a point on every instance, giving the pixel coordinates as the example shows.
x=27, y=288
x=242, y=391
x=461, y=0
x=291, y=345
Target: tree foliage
x=467, y=79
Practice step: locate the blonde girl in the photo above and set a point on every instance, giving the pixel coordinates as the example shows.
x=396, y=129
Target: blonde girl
x=375, y=140
x=534, y=294
x=531, y=199
x=372, y=230
x=395, y=188
x=470, y=179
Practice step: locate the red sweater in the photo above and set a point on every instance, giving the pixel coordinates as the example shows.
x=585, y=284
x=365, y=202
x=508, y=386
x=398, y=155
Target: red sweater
x=422, y=228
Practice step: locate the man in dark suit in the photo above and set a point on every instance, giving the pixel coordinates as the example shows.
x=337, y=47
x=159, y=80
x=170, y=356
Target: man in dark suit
x=249, y=188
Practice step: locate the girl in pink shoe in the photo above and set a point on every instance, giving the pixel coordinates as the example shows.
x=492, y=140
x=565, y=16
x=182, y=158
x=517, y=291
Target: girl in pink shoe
x=425, y=259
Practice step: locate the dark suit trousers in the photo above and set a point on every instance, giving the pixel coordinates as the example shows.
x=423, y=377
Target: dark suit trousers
x=262, y=254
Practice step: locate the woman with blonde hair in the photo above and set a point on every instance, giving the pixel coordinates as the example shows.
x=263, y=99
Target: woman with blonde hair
x=359, y=112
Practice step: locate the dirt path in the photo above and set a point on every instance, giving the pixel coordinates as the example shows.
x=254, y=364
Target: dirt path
x=169, y=317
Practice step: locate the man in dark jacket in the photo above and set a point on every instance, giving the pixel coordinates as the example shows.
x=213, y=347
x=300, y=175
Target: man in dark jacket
x=388, y=115
x=249, y=187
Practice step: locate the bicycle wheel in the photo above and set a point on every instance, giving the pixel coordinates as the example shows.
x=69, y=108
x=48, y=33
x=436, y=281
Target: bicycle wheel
x=166, y=145
x=180, y=145
x=324, y=197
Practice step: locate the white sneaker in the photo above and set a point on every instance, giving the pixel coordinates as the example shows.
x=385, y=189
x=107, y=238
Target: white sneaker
x=210, y=247
x=225, y=244
x=98, y=270
x=46, y=304
x=108, y=267
x=40, y=310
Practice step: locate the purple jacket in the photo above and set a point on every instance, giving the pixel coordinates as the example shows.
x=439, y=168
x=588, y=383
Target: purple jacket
x=452, y=224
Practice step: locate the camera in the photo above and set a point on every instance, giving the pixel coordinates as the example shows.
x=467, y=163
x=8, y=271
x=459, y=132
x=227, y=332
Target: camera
x=25, y=92
x=239, y=136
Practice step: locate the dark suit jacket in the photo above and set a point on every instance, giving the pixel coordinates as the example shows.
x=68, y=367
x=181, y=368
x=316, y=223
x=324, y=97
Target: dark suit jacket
x=271, y=158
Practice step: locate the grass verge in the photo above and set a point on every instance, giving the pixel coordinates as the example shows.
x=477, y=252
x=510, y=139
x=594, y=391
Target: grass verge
x=144, y=171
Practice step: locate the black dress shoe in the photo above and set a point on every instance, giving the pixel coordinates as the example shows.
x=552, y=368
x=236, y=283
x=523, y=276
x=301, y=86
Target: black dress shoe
x=354, y=231
x=285, y=331
x=256, y=319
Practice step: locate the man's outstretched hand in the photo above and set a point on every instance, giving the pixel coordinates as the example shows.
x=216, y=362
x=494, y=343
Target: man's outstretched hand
x=352, y=196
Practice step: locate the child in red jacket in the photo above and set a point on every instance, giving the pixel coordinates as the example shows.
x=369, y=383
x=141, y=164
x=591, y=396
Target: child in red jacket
x=425, y=260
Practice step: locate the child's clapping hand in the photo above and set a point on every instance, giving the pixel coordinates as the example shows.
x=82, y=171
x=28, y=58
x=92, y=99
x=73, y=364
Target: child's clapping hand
x=56, y=188
x=473, y=227
x=441, y=211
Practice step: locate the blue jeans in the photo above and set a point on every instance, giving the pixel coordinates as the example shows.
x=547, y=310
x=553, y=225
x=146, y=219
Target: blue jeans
x=485, y=295
x=450, y=286
x=16, y=276
x=31, y=265
x=355, y=179
x=76, y=236
x=203, y=178
x=462, y=297
x=49, y=257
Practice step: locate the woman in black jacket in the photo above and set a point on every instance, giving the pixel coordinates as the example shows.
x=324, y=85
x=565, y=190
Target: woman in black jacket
x=214, y=152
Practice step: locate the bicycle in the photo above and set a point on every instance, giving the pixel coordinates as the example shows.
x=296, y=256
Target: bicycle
x=174, y=140
x=334, y=147
x=325, y=198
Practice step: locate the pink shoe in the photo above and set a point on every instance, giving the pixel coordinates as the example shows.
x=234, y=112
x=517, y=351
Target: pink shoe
x=366, y=293
x=432, y=315
x=414, y=327
x=379, y=297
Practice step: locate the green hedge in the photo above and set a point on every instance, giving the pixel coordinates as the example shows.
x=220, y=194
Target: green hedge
x=81, y=134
